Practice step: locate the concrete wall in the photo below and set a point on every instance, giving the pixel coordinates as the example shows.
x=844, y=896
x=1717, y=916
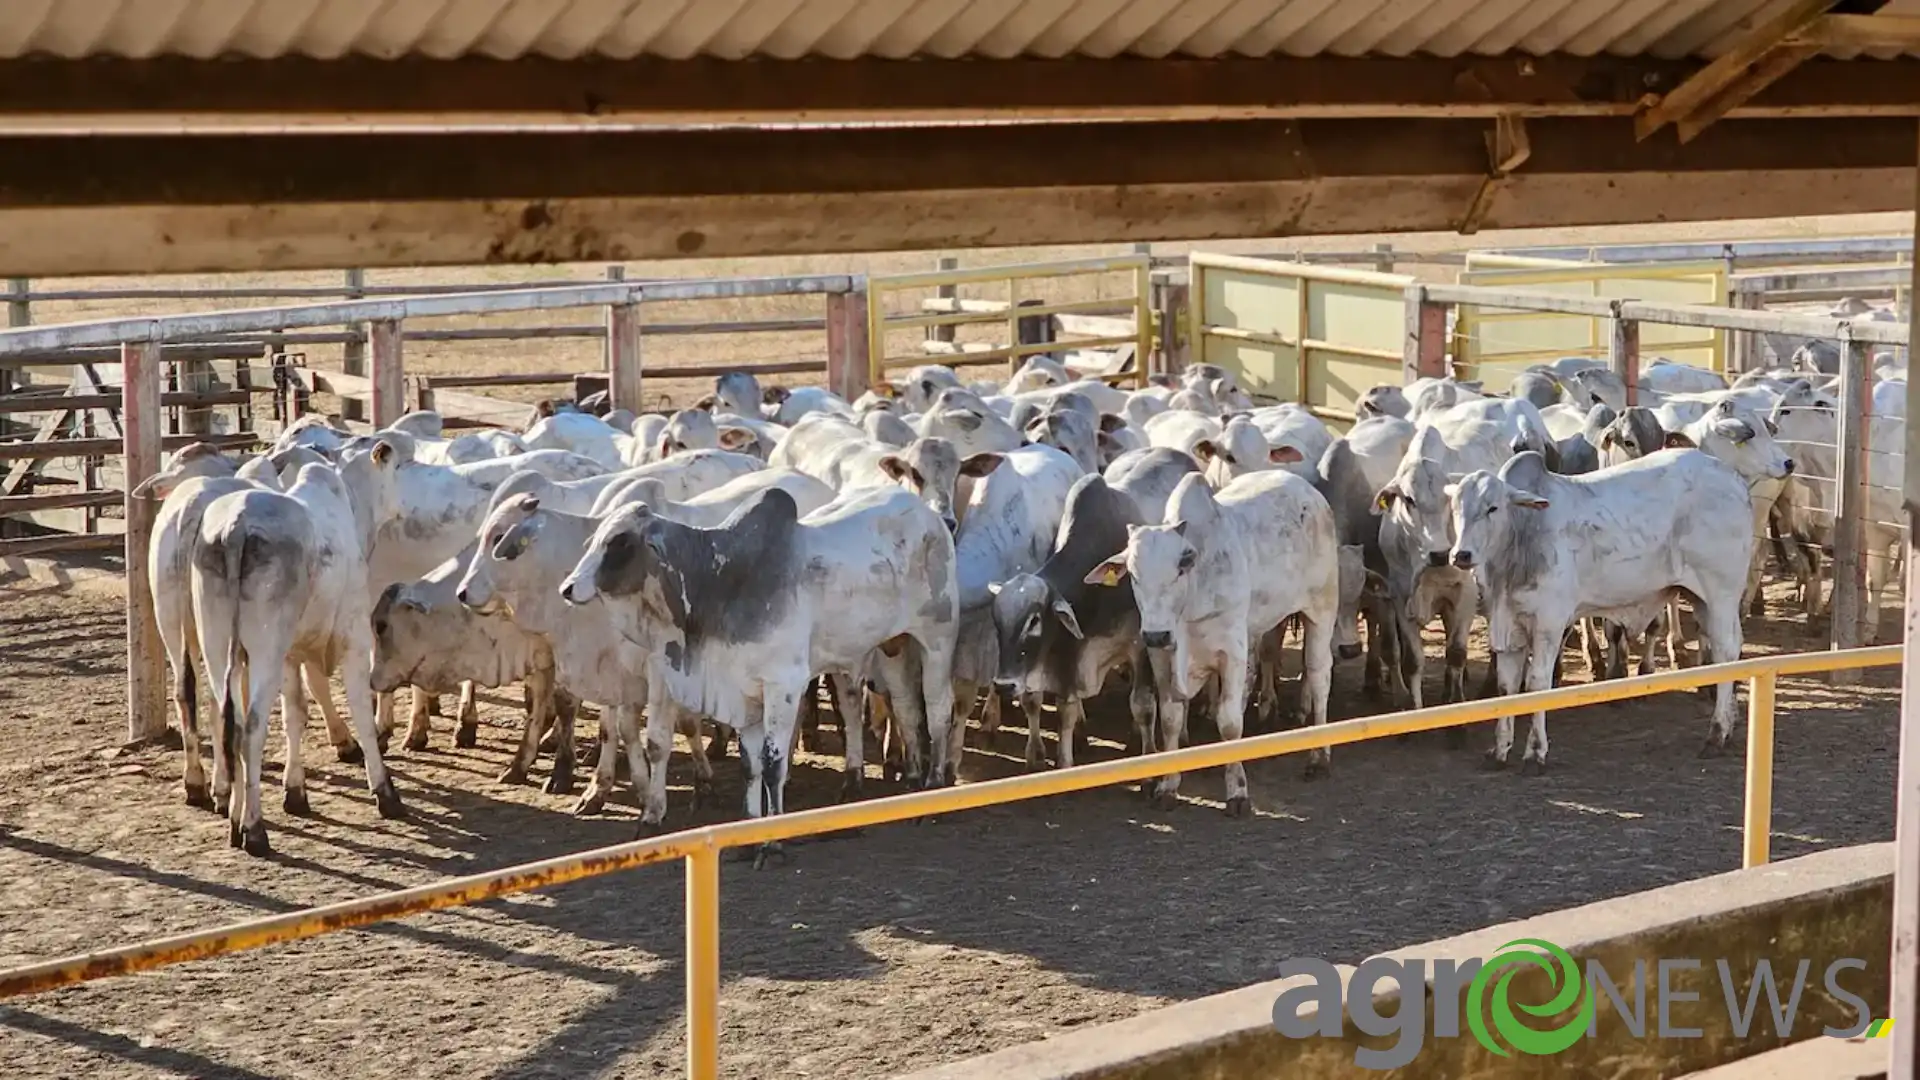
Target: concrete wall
x=1822, y=907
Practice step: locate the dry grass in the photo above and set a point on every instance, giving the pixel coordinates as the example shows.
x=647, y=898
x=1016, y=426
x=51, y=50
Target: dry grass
x=664, y=353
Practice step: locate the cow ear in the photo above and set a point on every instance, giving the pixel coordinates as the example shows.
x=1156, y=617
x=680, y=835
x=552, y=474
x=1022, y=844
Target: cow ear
x=1110, y=422
x=1285, y=455
x=994, y=587
x=884, y=390
x=1180, y=528
x=737, y=438
x=1678, y=440
x=1451, y=491
x=981, y=464
x=967, y=421
x=1205, y=451
x=895, y=467
x=1109, y=573
x=1383, y=501
x=1606, y=440
x=1064, y=612
x=1527, y=499
x=706, y=404
x=410, y=603
x=1772, y=427
x=775, y=395
x=383, y=453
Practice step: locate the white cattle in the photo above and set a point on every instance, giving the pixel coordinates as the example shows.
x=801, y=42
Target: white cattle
x=278, y=581
x=1181, y=429
x=739, y=393
x=884, y=426
x=1614, y=544
x=525, y=552
x=738, y=620
x=1241, y=448
x=1414, y=400
x=922, y=384
x=424, y=637
x=1662, y=378
x=708, y=509
x=962, y=418
x=1216, y=576
x=588, y=436
x=1038, y=373
x=1811, y=434
x=834, y=451
x=1416, y=539
x=682, y=476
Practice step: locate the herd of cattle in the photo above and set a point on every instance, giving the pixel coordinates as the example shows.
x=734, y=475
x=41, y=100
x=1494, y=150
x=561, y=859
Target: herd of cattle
x=934, y=547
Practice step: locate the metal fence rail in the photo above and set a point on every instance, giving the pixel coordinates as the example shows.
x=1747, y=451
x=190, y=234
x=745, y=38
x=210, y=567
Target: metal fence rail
x=701, y=847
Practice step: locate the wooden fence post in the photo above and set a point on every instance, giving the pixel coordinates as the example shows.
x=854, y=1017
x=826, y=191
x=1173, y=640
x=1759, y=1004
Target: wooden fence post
x=1423, y=352
x=1171, y=300
x=1623, y=354
x=146, y=660
x=1903, y=998
x=353, y=355
x=19, y=313
x=614, y=273
x=944, y=292
x=623, y=356
x=1851, y=606
x=1383, y=258
x=388, y=394
x=847, y=360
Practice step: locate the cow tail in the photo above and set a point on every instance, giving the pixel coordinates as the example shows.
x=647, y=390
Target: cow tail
x=233, y=551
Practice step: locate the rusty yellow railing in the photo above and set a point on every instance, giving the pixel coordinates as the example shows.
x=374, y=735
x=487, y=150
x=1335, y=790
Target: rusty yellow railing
x=701, y=847
x=1138, y=305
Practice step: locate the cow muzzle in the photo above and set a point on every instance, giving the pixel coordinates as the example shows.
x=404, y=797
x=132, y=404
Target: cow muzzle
x=1463, y=559
x=1157, y=639
x=1436, y=558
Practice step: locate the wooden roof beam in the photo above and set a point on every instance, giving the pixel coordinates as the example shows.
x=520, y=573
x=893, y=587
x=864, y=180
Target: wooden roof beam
x=1861, y=32
x=1756, y=61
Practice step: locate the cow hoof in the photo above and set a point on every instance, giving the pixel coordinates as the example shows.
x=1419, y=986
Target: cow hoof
x=512, y=774
x=254, y=840
x=295, y=802
x=892, y=773
x=1713, y=748
x=199, y=797
x=852, y=787
x=349, y=753
x=1239, y=806
x=768, y=852
x=233, y=834
x=220, y=804
x=388, y=800
x=384, y=740
x=649, y=829
x=466, y=736
x=1533, y=767
x=1494, y=760
x=558, y=784
x=590, y=803
x=1317, y=769
x=416, y=742
x=1165, y=800
x=549, y=742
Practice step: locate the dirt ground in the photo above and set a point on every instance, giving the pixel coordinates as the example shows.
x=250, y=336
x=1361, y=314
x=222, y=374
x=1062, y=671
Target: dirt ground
x=871, y=955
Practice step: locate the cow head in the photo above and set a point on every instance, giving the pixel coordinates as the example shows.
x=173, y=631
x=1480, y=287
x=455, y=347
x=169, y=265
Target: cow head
x=737, y=392
x=934, y=470
x=507, y=534
x=1159, y=562
x=1416, y=499
x=1022, y=608
x=1483, y=510
x=191, y=460
x=1741, y=439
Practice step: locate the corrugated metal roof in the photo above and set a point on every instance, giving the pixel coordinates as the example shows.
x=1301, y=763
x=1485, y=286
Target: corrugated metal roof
x=844, y=29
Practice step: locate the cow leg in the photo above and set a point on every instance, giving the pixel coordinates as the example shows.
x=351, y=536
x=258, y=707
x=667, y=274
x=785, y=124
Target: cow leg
x=1540, y=660
x=466, y=735
x=339, y=733
x=1141, y=700
x=1231, y=721
x=766, y=789
x=1675, y=635
x=1382, y=637
x=1413, y=658
x=1036, y=749
x=1755, y=598
x=186, y=703
x=616, y=721
x=1173, y=725
x=418, y=724
x=964, y=696
x=1267, y=670
x=910, y=712
x=877, y=711
x=383, y=718
x=1507, y=668
x=1073, y=714
x=561, y=706
x=647, y=756
x=936, y=687
x=247, y=830
x=810, y=717
x=689, y=727
x=1720, y=633
x=1453, y=685
x=354, y=668
x=293, y=717
x=1317, y=655
x=536, y=729
x=846, y=697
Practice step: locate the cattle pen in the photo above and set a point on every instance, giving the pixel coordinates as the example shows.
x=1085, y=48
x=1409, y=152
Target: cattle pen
x=1419, y=332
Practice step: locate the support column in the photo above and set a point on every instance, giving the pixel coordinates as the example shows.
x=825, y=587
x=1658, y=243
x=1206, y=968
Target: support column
x=389, y=390
x=146, y=658
x=847, y=359
x=623, y=356
x=1851, y=606
x=1424, y=347
x=1623, y=354
x=1904, y=1003
x=353, y=355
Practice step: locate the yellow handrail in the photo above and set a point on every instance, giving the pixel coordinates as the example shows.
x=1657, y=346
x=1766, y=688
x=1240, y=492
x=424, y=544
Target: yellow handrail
x=701, y=847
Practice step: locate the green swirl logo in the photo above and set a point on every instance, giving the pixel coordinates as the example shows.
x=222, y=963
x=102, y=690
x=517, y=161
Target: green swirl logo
x=1568, y=988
